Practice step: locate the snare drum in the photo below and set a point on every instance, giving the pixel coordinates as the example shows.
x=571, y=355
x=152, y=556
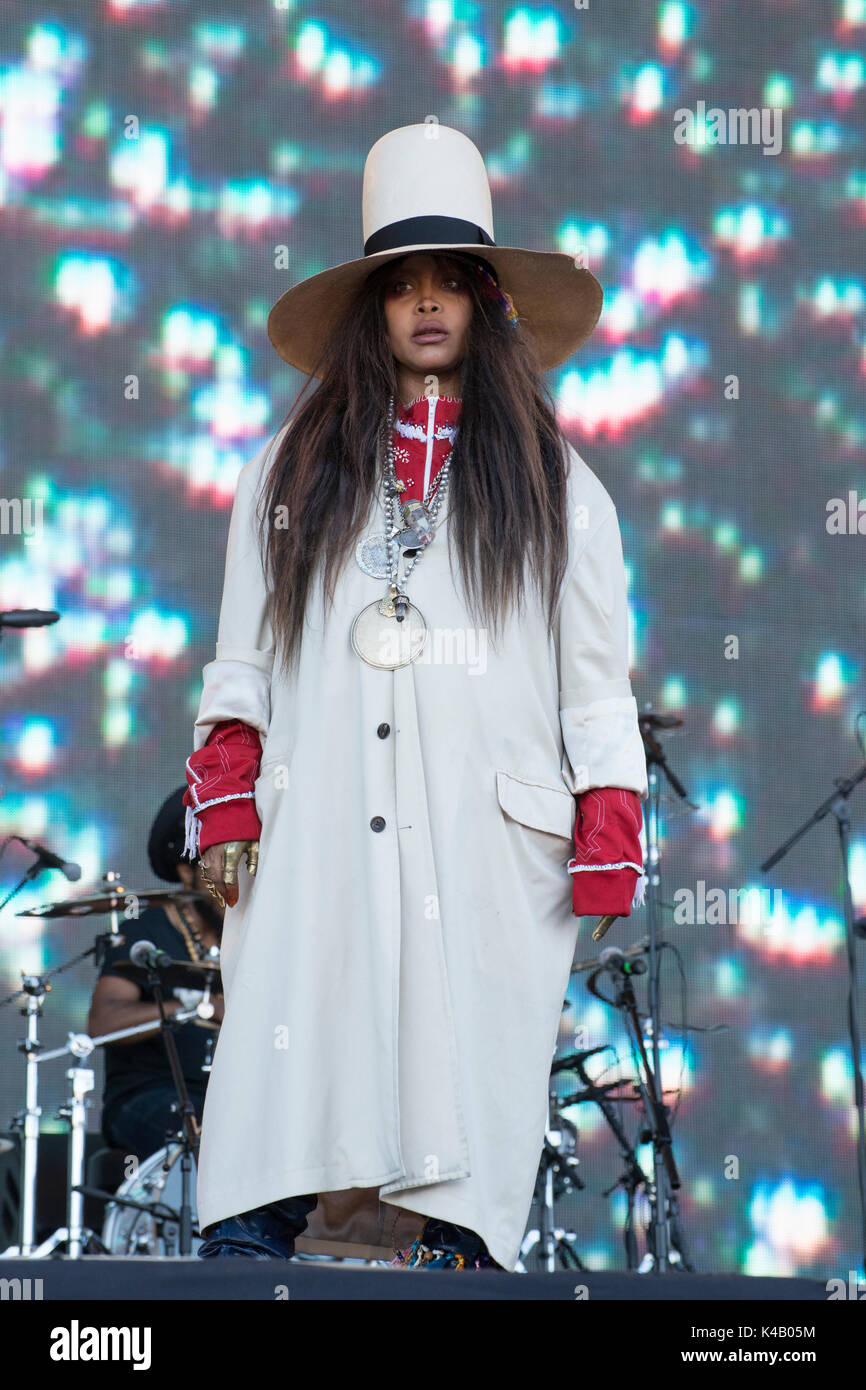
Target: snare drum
x=127, y=1231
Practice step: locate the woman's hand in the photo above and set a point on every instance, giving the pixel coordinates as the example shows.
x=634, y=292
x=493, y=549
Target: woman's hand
x=221, y=866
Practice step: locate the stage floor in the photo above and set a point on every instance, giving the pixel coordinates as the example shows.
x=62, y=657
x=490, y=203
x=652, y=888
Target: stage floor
x=98, y=1278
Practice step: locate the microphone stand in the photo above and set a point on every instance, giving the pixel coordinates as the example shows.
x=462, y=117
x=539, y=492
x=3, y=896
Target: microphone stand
x=657, y=763
x=663, y=1207
x=837, y=804
x=189, y=1129
x=38, y=867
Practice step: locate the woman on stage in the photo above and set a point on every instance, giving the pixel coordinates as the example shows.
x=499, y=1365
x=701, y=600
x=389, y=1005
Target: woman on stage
x=417, y=757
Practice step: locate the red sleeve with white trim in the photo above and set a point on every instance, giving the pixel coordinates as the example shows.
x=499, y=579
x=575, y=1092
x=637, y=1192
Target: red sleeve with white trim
x=607, y=868
x=220, y=796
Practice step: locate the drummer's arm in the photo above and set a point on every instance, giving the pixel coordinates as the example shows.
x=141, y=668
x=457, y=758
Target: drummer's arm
x=117, y=1003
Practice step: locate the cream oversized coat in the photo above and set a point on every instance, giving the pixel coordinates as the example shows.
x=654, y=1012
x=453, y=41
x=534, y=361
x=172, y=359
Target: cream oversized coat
x=393, y=995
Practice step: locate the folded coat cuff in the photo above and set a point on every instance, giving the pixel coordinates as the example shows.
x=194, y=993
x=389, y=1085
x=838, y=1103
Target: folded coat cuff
x=234, y=690
x=603, y=743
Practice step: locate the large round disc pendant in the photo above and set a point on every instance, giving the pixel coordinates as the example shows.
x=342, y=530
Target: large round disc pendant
x=385, y=643
x=371, y=552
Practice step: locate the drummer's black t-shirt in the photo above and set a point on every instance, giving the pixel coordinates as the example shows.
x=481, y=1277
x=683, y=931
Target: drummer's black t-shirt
x=133, y=1065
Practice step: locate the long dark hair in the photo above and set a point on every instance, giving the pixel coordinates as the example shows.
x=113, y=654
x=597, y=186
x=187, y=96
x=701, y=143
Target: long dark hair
x=506, y=490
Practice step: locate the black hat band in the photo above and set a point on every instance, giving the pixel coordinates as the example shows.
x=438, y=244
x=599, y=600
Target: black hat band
x=427, y=231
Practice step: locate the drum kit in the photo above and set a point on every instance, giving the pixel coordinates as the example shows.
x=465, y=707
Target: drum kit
x=153, y=1210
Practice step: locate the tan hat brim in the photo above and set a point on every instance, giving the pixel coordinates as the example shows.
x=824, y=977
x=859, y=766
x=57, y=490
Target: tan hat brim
x=558, y=302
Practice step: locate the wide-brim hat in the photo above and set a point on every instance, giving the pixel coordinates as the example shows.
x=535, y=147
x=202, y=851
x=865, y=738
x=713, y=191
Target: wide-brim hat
x=167, y=837
x=426, y=189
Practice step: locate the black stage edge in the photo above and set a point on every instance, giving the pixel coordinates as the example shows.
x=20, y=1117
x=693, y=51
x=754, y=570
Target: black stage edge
x=99, y=1278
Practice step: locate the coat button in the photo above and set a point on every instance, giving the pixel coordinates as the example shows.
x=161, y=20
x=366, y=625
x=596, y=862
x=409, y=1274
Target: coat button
x=383, y=730
x=377, y=823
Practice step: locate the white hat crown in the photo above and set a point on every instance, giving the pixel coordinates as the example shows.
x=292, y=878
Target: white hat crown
x=425, y=185
x=426, y=189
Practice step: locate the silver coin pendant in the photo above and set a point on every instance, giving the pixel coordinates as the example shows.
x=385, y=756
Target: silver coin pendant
x=371, y=552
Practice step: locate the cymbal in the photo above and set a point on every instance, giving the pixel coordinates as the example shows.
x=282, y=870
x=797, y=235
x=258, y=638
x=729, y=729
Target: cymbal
x=177, y=974
x=111, y=901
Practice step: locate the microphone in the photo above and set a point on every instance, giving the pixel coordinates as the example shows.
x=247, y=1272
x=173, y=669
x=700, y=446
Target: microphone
x=639, y=948
x=146, y=954
x=51, y=861
x=615, y=960
x=603, y=925
x=28, y=617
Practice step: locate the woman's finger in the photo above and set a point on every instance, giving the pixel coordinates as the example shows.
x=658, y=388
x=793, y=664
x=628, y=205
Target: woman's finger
x=212, y=858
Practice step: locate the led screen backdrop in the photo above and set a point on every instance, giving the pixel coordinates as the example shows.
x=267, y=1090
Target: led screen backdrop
x=167, y=169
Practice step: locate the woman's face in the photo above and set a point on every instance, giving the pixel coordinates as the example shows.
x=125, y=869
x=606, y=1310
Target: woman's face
x=428, y=308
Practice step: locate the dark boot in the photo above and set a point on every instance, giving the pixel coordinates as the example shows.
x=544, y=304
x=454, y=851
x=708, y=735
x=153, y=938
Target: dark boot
x=457, y=1240
x=266, y=1233
x=444, y=1245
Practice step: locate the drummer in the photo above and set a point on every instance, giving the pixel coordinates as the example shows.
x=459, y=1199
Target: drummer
x=139, y=1092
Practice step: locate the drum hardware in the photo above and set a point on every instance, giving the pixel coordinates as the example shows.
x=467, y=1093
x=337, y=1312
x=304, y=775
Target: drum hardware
x=557, y=1175
x=666, y=1246
x=145, y=1215
x=603, y=1096
x=157, y=1209
x=189, y=1132
x=34, y=990
x=74, y=1234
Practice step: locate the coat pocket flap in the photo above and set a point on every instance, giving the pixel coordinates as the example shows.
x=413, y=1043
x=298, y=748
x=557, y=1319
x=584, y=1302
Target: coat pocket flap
x=536, y=805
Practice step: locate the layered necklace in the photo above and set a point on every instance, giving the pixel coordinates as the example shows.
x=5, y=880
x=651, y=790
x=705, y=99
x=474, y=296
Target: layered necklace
x=196, y=949
x=391, y=631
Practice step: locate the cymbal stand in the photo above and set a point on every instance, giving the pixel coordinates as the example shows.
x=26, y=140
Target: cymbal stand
x=74, y=1235
x=34, y=989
